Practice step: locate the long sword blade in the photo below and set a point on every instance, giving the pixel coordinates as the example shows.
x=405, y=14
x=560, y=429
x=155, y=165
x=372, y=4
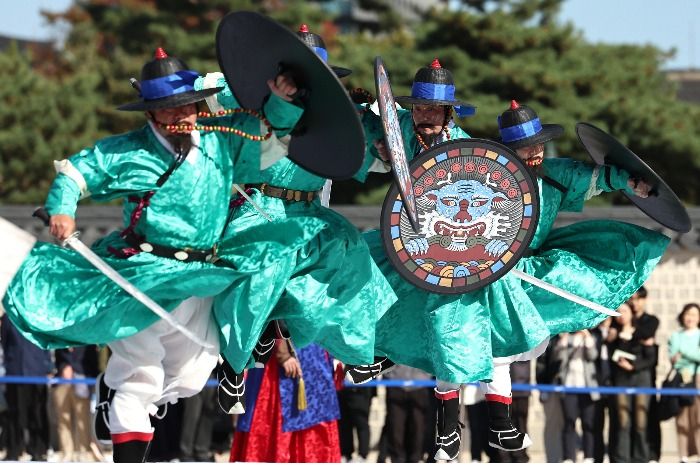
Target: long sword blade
x=565, y=294
x=79, y=247
x=250, y=200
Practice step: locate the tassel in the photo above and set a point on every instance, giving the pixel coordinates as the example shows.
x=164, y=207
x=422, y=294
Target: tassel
x=301, y=395
x=301, y=398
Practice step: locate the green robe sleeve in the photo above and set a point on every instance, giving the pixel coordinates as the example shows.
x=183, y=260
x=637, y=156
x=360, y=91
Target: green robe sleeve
x=584, y=180
x=63, y=196
x=283, y=115
x=96, y=172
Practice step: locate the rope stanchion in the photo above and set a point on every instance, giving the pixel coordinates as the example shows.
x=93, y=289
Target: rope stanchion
x=605, y=390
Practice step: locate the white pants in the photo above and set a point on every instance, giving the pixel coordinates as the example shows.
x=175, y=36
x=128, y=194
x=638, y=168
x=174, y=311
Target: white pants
x=15, y=246
x=500, y=383
x=160, y=365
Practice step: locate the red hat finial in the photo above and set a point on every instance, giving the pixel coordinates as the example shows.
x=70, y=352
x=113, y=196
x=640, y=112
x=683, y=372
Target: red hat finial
x=514, y=104
x=435, y=64
x=160, y=53
x=303, y=28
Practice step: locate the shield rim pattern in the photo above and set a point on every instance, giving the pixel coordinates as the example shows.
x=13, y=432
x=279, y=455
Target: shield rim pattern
x=391, y=214
x=397, y=154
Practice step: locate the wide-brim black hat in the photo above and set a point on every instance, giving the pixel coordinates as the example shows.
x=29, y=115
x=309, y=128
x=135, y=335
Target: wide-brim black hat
x=319, y=46
x=167, y=82
x=434, y=85
x=520, y=127
x=251, y=48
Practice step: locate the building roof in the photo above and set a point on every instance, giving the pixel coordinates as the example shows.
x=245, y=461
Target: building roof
x=689, y=84
x=43, y=46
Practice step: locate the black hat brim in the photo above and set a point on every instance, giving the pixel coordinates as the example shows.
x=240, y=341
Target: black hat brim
x=251, y=48
x=411, y=100
x=341, y=72
x=548, y=132
x=662, y=204
x=172, y=101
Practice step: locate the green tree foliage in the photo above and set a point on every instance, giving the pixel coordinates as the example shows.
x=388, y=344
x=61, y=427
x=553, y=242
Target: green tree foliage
x=498, y=50
x=42, y=119
x=500, y=56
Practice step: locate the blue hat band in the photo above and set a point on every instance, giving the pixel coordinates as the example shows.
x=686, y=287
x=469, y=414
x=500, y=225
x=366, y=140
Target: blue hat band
x=322, y=52
x=180, y=82
x=520, y=131
x=428, y=91
x=465, y=110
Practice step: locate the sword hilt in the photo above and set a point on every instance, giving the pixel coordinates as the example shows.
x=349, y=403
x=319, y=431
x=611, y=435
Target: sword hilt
x=136, y=84
x=42, y=214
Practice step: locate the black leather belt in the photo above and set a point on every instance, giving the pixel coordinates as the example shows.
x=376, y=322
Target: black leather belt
x=284, y=193
x=184, y=255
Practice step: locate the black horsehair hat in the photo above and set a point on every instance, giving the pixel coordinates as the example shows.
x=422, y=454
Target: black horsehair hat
x=167, y=82
x=520, y=127
x=434, y=85
x=315, y=42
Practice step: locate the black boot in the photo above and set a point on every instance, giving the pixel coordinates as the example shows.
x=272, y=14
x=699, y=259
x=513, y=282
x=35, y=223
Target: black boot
x=263, y=351
x=132, y=451
x=502, y=434
x=276, y=329
x=100, y=421
x=449, y=429
x=359, y=374
x=231, y=390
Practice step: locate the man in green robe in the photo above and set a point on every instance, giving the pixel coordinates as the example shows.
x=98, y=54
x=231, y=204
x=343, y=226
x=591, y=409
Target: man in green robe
x=174, y=177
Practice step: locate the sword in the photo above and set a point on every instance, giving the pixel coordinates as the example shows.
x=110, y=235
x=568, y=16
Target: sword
x=78, y=246
x=563, y=293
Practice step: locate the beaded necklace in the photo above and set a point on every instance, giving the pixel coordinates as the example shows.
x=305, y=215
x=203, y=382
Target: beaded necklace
x=223, y=129
x=420, y=139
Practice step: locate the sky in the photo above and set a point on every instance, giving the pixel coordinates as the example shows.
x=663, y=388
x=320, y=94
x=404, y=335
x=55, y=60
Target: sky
x=666, y=24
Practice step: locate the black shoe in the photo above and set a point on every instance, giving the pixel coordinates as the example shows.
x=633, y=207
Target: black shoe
x=363, y=373
x=447, y=447
x=231, y=390
x=100, y=421
x=263, y=352
x=449, y=429
x=502, y=434
x=509, y=440
x=276, y=329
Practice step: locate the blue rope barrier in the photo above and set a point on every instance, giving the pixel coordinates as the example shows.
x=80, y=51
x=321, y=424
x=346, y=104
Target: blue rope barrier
x=605, y=390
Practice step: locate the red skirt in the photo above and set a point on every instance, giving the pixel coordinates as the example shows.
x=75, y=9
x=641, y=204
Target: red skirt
x=268, y=444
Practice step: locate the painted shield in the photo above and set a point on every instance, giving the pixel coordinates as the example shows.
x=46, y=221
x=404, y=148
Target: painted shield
x=394, y=140
x=328, y=140
x=478, y=206
x=662, y=205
